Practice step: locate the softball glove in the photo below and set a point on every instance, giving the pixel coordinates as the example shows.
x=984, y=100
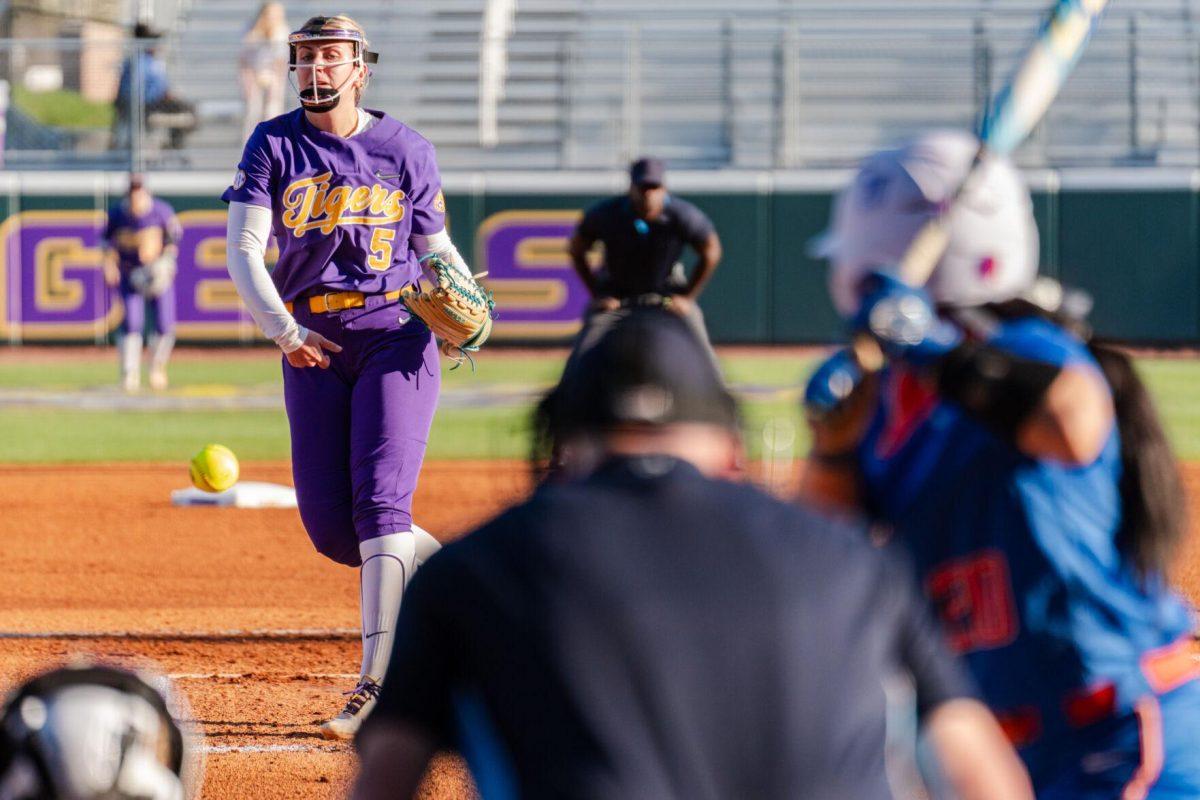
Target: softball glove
x=152, y=279
x=457, y=309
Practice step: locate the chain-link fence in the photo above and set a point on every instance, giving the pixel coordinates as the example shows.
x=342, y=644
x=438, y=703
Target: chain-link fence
x=90, y=104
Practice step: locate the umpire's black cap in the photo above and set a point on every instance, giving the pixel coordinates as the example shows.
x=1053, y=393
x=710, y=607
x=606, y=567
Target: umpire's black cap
x=648, y=172
x=648, y=370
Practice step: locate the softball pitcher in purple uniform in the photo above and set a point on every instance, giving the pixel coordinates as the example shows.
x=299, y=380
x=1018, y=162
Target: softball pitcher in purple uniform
x=141, y=236
x=353, y=198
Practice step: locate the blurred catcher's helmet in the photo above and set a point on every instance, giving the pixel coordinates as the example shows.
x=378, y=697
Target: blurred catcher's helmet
x=93, y=733
x=338, y=28
x=993, y=243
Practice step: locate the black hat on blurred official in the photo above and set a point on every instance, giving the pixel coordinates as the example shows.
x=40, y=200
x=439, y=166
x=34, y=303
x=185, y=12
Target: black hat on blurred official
x=648, y=370
x=648, y=172
x=143, y=30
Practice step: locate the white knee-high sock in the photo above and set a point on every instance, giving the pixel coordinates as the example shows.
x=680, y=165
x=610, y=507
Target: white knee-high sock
x=426, y=544
x=388, y=563
x=160, y=350
x=131, y=354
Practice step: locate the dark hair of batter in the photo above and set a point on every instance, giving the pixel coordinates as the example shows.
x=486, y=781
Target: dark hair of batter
x=1153, y=503
x=543, y=455
x=648, y=371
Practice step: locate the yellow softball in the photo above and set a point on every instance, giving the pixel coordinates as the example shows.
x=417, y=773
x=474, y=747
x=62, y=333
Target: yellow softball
x=214, y=468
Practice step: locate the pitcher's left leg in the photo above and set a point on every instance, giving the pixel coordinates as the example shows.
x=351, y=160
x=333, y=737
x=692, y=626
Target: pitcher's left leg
x=393, y=403
x=392, y=410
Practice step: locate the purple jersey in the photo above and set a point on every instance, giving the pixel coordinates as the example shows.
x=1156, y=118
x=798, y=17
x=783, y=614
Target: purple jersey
x=343, y=209
x=137, y=239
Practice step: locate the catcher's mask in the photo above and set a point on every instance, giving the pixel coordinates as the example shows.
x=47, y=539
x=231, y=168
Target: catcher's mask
x=321, y=99
x=91, y=732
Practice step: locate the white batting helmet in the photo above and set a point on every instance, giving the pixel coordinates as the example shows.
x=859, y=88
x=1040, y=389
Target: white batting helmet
x=992, y=252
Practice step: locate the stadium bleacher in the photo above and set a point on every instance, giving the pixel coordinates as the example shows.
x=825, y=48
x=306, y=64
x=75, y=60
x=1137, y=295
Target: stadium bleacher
x=768, y=84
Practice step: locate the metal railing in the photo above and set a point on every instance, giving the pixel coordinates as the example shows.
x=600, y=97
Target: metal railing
x=756, y=91
x=72, y=103
x=813, y=93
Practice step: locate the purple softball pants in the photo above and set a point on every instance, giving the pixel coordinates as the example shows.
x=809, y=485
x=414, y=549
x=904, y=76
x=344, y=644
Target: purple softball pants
x=135, y=310
x=359, y=428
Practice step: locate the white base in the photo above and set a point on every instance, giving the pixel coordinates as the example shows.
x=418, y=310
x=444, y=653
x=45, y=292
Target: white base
x=246, y=494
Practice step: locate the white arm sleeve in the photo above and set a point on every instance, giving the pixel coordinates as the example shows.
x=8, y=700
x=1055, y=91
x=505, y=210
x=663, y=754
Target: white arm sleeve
x=439, y=244
x=245, y=247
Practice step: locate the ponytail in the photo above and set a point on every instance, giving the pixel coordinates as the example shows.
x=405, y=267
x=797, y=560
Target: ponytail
x=1154, y=510
x=543, y=441
x=1153, y=503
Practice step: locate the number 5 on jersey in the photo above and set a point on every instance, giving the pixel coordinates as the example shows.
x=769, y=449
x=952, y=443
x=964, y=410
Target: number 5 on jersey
x=381, y=249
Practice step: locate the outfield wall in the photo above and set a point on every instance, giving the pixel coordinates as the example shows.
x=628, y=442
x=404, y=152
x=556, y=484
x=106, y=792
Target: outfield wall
x=1131, y=237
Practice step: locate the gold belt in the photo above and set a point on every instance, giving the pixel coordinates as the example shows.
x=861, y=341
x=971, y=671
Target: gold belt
x=339, y=301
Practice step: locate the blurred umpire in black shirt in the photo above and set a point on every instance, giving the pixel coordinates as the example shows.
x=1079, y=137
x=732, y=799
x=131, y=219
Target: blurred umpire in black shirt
x=645, y=627
x=644, y=233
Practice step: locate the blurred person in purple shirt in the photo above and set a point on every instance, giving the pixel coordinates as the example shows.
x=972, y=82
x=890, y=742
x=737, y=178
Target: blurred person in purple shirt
x=141, y=238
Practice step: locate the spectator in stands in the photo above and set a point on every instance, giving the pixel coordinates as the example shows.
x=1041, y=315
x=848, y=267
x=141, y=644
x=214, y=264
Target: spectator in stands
x=144, y=78
x=263, y=66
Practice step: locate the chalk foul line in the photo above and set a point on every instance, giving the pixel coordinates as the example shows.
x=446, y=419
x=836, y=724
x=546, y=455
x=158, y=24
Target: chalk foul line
x=275, y=748
x=169, y=635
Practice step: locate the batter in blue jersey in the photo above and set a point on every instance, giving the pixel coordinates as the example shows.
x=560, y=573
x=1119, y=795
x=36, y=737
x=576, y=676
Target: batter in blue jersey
x=1024, y=469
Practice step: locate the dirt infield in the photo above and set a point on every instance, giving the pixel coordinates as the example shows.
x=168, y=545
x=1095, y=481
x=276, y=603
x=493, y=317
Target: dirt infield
x=97, y=561
x=235, y=604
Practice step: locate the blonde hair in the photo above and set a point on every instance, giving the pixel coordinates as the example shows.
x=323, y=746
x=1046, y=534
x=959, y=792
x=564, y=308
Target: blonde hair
x=338, y=22
x=264, y=28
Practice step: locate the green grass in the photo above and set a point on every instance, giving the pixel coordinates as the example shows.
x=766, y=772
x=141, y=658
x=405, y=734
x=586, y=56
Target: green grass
x=505, y=370
x=1175, y=385
x=52, y=435
x=49, y=435
x=63, y=108
x=102, y=372
x=34, y=434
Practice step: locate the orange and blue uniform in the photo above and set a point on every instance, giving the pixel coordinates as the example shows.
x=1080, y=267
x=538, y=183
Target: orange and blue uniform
x=1090, y=667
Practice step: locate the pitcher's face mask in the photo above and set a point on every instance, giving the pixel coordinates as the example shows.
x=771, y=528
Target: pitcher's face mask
x=310, y=59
